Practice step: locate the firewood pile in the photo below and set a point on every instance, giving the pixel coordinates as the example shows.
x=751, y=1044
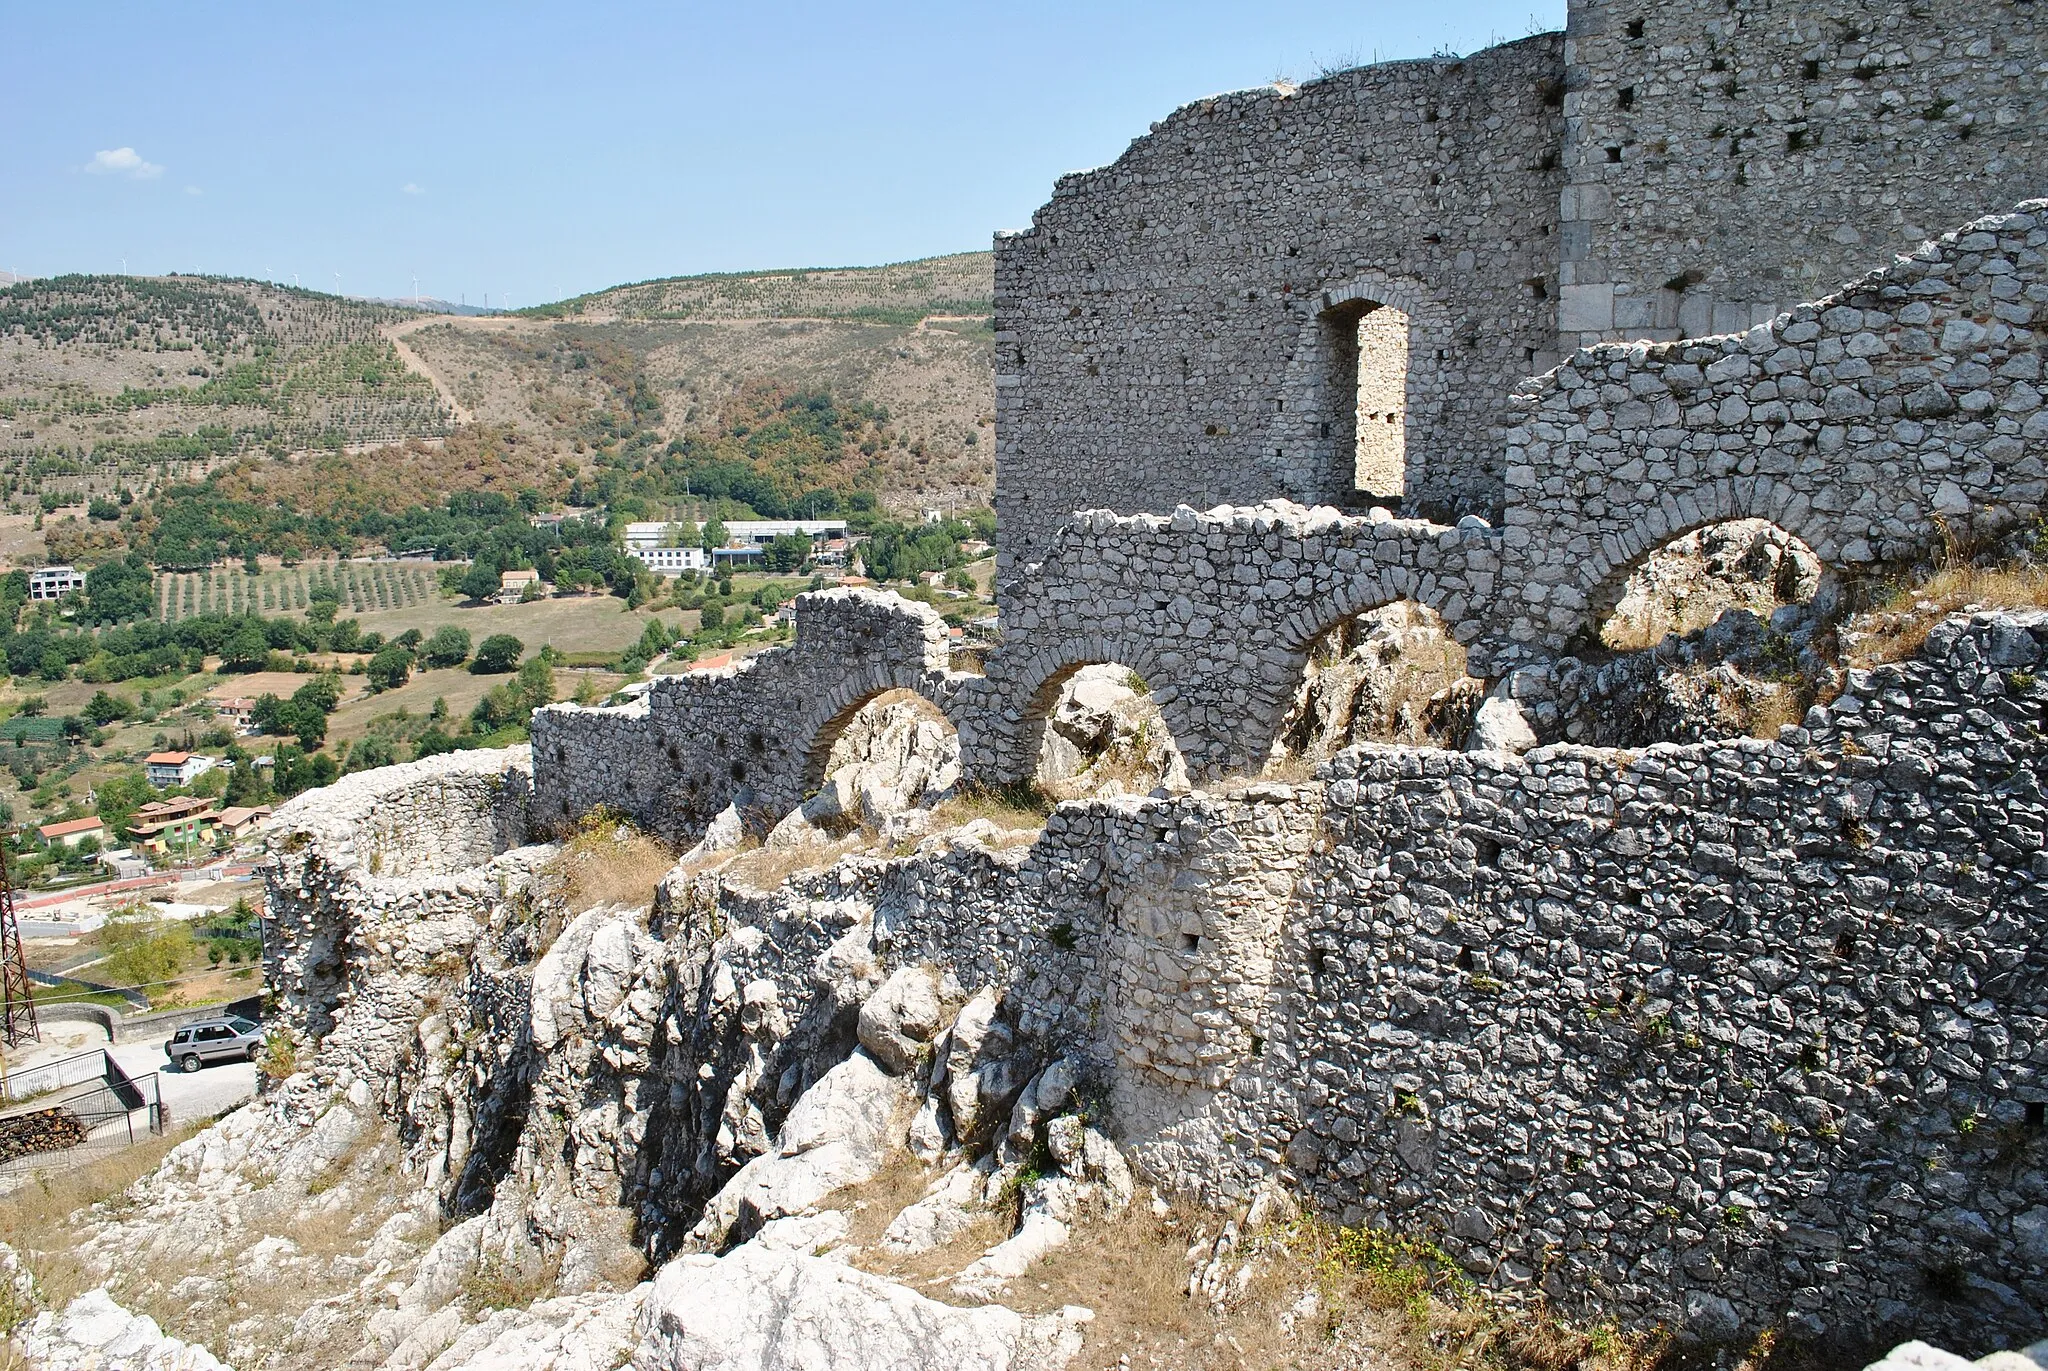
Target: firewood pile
x=44, y=1130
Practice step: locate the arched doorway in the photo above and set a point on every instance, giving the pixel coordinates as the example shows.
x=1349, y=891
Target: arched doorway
x=1725, y=630
x=882, y=756
x=1691, y=582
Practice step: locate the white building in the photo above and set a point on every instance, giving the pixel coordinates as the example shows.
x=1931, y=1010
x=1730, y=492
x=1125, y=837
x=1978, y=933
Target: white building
x=738, y=532
x=54, y=582
x=166, y=769
x=670, y=561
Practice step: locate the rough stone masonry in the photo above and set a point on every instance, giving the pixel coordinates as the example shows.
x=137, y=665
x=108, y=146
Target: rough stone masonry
x=1722, y=1034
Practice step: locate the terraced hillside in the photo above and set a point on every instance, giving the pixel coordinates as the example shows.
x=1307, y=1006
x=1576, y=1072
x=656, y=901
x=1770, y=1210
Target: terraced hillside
x=117, y=380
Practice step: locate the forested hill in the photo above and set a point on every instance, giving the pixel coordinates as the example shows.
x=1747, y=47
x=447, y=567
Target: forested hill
x=194, y=419
x=108, y=381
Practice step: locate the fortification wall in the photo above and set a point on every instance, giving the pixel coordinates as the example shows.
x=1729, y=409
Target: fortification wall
x=1758, y=154
x=1160, y=329
x=754, y=735
x=370, y=880
x=1721, y=1034
x=1760, y=1022
x=1217, y=611
x=1856, y=422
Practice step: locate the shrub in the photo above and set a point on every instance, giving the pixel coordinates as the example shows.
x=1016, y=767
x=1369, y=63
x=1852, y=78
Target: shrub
x=497, y=655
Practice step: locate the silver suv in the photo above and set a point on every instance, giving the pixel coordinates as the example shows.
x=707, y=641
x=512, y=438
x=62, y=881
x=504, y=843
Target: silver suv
x=227, y=1038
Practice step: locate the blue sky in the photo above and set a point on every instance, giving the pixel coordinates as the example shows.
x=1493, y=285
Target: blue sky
x=539, y=151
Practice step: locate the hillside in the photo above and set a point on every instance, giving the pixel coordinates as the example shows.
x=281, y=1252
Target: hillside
x=759, y=388
x=106, y=381
x=689, y=359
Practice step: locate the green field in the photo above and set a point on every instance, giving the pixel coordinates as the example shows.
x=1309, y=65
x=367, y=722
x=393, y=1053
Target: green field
x=365, y=588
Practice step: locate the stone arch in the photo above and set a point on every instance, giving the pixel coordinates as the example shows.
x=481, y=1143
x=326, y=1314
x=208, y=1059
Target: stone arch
x=825, y=721
x=1312, y=441
x=1603, y=576
x=1037, y=682
x=1301, y=631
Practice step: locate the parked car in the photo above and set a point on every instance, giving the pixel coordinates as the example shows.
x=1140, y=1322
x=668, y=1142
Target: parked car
x=229, y=1038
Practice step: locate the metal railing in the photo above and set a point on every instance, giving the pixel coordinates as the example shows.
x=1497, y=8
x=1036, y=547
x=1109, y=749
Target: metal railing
x=113, y=1111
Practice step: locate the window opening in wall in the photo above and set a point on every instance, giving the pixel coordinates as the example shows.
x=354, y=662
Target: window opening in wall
x=1380, y=458
x=2037, y=1114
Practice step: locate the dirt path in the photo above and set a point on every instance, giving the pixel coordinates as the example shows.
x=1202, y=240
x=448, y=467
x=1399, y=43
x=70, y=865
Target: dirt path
x=414, y=362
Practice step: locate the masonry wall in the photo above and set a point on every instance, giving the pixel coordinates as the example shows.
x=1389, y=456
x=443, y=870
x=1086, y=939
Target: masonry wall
x=1727, y=161
x=745, y=735
x=1723, y=1035
x=1762, y=1023
x=1867, y=423
x=1157, y=327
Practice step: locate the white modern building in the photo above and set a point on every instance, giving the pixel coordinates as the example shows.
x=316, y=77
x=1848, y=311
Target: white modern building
x=745, y=538
x=54, y=582
x=669, y=561
x=738, y=532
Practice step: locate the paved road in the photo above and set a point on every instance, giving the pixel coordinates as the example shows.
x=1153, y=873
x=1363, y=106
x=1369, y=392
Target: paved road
x=189, y=1097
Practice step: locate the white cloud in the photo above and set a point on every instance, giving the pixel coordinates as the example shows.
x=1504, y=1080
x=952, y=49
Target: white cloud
x=123, y=162
x=194, y=190
x=413, y=188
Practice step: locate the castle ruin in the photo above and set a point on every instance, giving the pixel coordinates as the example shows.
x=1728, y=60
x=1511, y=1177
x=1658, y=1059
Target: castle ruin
x=1723, y=1034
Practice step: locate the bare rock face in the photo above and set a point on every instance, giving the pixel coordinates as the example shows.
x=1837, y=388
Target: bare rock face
x=839, y=1134
x=95, y=1334
x=1500, y=726
x=756, y=1310
x=900, y=1019
x=1687, y=585
x=895, y=755
x=1105, y=736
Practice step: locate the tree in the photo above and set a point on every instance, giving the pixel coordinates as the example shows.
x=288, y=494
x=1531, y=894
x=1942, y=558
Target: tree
x=142, y=949
x=480, y=582
x=247, y=650
x=787, y=553
x=104, y=709
x=390, y=668
x=712, y=615
x=497, y=654
x=119, y=797
x=448, y=647
x=715, y=534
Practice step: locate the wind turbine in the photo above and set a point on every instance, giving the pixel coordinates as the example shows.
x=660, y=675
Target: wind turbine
x=337, y=285
x=415, y=292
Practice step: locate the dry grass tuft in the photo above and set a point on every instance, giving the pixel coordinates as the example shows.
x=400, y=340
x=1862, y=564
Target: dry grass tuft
x=1018, y=808
x=35, y=1218
x=1897, y=629
x=496, y=1285
x=765, y=868
x=608, y=861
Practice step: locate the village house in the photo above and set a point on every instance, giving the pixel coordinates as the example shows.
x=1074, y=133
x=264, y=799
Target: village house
x=167, y=769
x=72, y=832
x=166, y=826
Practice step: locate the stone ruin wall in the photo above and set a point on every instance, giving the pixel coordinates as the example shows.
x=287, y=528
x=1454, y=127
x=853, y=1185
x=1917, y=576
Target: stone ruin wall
x=409, y=838
x=1729, y=1033
x=1157, y=327
x=1723, y=1034
x=1870, y=424
x=1160, y=328
x=1768, y=151
x=753, y=736
x=1862, y=423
